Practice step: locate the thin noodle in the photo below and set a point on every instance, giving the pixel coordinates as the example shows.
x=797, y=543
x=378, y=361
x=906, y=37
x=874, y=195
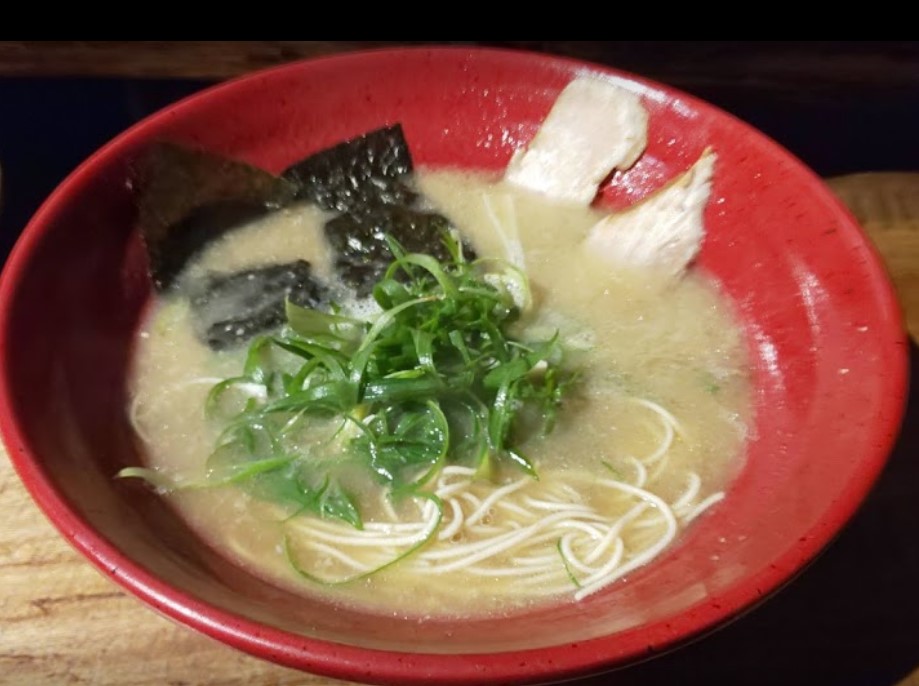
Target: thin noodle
x=703, y=506
x=456, y=523
x=483, y=509
x=339, y=555
x=692, y=490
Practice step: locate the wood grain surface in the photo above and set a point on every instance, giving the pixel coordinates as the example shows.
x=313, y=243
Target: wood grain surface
x=795, y=69
x=63, y=623
x=887, y=205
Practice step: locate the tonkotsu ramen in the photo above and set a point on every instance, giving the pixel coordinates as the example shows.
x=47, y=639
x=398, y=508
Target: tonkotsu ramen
x=437, y=391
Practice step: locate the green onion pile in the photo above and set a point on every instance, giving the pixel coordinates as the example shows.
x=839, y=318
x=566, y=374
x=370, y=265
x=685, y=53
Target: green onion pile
x=434, y=379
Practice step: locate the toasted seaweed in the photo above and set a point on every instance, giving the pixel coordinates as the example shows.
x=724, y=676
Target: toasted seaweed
x=368, y=181
x=188, y=197
x=231, y=308
x=362, y=254
x=361, y=172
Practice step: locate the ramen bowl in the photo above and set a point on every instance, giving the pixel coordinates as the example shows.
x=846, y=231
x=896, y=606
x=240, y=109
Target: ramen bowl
x=825, y=340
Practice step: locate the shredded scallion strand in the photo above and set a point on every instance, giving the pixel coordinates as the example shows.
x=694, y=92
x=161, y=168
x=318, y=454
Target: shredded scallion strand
x=435, y=379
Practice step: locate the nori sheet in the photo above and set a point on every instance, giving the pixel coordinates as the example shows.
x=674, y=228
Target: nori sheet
x=368, y=180
x=361, y=252
x=188, y=197
x=231, y=308
x=361, y=172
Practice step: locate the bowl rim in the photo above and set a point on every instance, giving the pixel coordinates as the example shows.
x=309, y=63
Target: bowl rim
x=321, y=656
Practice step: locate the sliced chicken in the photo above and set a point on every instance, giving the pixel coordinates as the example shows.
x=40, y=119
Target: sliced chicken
x=593, y=128
x=663, y=231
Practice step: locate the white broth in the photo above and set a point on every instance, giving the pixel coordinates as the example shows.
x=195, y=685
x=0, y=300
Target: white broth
x=647, y=441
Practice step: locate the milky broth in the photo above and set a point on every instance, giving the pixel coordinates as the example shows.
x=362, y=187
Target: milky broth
x=636, y=338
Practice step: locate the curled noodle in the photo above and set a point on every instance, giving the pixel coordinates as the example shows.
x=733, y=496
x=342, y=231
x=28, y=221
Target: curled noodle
x=568, y=532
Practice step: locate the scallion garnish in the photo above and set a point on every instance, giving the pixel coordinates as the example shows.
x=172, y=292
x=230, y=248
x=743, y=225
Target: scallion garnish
x=434, y=379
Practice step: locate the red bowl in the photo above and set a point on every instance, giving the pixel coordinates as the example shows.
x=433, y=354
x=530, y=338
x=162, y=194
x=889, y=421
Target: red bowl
x=824, y=331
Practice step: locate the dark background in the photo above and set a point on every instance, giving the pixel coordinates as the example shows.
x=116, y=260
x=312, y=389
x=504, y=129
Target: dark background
x=840, y=106
x=853, y=617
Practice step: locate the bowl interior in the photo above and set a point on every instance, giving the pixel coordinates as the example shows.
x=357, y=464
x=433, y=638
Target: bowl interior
x=824, y=335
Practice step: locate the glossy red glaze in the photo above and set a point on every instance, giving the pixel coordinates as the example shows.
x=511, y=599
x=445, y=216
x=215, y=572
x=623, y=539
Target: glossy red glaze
x=828, y=350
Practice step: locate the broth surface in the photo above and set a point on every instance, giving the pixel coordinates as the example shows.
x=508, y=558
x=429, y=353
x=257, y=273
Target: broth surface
x=641, y=344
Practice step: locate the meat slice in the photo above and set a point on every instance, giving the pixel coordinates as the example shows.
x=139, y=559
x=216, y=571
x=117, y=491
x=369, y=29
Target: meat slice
x=663, y=231
x=593, y=127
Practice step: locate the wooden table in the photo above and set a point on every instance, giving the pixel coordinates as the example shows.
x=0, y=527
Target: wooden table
x=61, y=622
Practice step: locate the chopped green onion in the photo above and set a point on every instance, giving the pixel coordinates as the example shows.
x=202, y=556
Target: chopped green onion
x=434, y=379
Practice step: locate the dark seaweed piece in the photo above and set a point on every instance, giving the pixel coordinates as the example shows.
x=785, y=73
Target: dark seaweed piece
x=370, y=170
x=362, y=254
x=231, y=308
x=188, y=197
x=368, y=180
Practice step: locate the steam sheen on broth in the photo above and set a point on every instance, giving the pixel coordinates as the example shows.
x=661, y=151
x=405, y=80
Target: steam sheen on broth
x=649, y=439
